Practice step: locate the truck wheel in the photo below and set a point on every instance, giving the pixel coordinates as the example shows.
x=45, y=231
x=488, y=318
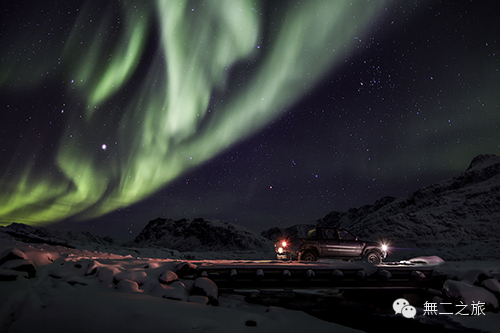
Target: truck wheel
x=308, y=256
x=373, y=258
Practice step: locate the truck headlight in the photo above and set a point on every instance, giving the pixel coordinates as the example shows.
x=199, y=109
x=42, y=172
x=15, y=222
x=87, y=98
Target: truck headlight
x=384, y=247
x=280, y=250
x=283, y=244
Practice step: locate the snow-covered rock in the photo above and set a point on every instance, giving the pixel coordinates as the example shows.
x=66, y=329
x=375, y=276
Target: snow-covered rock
x=185, y=268
x=93, y=267
x=12, y=254
x=459, y=291
x=198, y=299
x=493, y=286
x=138, y=276
x=107, y=274
x=159, y=290
x=475, y=276
x=205, y=287
x=384, y=274
x=337, y=275
x=76, y=280
x=198, y=235
x=362, y=274
x=20, y=265
x=11, y=275
x=128, y=286
x=429, y=260
x=168, y=277
x=178, y=292
x=417, y=275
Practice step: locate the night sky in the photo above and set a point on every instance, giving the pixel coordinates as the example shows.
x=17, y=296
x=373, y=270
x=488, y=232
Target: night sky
x=259, y=114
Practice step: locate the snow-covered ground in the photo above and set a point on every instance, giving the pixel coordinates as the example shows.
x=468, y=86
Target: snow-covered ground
x=84, y=291
x=142, y=290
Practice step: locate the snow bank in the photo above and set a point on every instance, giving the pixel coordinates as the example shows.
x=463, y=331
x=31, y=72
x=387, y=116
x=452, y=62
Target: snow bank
x=84, y=291
x=473, y=289
x=465, y=293
x=168, y=277
x=430, y=260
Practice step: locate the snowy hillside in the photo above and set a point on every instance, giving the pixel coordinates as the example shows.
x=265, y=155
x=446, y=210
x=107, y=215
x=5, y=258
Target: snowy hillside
x=198, y=235
x=457, y=218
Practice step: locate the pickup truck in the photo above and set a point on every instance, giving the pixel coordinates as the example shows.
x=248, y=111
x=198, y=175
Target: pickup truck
x=330, y=243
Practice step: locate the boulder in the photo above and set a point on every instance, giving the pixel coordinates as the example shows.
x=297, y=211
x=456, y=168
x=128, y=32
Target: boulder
x=21, y=265
x=168, y=277
x=129, y=286
x=12, y=254
x=205, y=287
x=185, y=268
x=459, y=291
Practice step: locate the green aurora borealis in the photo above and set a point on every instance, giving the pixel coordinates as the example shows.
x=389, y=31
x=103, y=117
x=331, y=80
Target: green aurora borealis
x=140, y=78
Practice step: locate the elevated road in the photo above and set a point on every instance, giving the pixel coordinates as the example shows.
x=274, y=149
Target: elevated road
x=327, y=274
x=333, y=290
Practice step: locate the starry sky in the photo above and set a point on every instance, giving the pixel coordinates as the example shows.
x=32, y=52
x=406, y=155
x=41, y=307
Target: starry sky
x=261, y=114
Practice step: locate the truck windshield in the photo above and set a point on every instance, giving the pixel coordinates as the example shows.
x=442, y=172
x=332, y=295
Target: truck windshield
x=344, y=234
x=329, y=234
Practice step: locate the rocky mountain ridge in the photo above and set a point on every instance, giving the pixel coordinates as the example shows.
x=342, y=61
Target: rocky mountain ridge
x=198, y=235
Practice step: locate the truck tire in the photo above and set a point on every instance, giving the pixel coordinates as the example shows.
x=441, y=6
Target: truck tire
x=373, y=257
x=308, y=256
